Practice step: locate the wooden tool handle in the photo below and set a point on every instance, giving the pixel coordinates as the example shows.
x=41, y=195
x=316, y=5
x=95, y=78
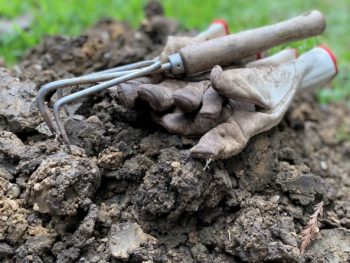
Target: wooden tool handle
x=230, y=49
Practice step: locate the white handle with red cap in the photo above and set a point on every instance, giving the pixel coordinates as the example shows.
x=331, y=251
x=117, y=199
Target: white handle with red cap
x=326, y=68
x=218, y=28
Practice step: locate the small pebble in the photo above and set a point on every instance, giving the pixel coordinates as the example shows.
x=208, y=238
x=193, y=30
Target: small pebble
x=13, y=204
x=37, y=67
x=95, y=259
x=37, y=187
x=275, y=198
x=175, y=164
x=15, y=191
x=324, y=165
x=94, y=119
x=36, y=207
x=100, y=248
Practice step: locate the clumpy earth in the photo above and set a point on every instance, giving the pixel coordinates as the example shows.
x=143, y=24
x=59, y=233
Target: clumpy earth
x=129, y=192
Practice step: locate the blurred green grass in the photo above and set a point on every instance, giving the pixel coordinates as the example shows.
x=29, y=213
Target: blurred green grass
x=72, y=17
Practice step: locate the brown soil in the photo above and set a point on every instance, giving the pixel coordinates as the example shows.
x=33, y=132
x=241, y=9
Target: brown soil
x=130, y=191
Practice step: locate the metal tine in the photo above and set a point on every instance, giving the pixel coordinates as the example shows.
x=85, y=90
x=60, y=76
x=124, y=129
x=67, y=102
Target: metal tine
x=97, y=88
x=60, y=95
x=90, y=78
x=64, y=83
x=135, y=65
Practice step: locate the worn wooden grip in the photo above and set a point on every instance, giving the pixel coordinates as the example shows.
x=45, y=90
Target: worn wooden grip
x=230, y=49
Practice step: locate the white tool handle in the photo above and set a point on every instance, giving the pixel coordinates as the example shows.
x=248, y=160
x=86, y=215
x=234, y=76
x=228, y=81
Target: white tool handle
x=218, y=28
x=325, y=70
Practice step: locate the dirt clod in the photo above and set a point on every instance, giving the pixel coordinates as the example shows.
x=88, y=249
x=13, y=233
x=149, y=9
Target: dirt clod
x=62, y=184
x=18, y=111
x=332, y=245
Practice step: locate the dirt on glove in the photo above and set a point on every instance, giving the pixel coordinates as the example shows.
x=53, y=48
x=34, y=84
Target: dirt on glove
x=130, y=191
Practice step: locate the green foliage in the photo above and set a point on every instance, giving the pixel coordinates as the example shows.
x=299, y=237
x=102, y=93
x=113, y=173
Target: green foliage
x=72, y=17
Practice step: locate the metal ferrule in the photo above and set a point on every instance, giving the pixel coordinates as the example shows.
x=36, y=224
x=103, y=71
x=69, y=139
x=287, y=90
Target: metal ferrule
x=177, y=66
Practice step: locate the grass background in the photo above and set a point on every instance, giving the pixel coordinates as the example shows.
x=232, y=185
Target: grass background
x=72, y=17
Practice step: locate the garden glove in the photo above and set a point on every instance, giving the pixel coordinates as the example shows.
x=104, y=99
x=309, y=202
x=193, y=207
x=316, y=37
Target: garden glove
x=211, y=113
x=270, y=87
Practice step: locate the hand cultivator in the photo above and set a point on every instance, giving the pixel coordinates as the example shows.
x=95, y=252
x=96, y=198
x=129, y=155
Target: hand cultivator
x=188, y=61
x=111, y=77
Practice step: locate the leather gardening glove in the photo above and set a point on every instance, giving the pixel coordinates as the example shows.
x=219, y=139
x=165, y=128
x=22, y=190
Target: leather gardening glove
x=210, y=110
x=270, y=87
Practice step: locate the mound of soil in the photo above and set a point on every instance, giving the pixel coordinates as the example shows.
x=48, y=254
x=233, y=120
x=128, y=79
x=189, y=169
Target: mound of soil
x=130, y=192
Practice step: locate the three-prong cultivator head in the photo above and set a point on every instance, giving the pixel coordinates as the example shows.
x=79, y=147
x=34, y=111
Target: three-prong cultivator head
x=105, y=79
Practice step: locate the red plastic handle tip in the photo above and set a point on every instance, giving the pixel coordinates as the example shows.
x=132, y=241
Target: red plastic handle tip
x=224, y=23
x=331, y=54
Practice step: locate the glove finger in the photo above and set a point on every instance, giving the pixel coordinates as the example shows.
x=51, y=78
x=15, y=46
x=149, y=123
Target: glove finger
x=161, y=96
x=176, y=123
x=190, y=97
x=238, y=84
x=126, y=93
x=212, y=104
x=191, y=125
x=221, y=142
